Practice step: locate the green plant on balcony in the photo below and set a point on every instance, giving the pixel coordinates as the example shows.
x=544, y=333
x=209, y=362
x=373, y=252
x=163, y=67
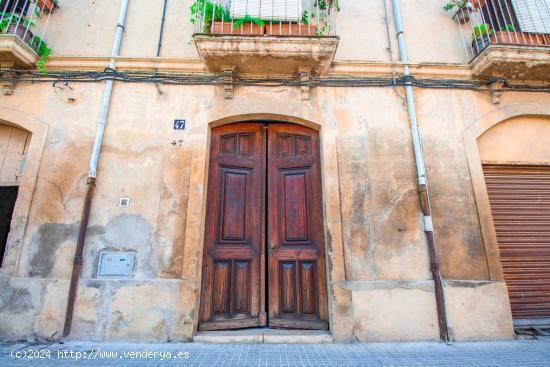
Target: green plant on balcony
x=211, y=12
x=327, y=4
x=43, y=51
x=20, y=26
x=481, y=37
x=13, y=19
x=482, y=31
x=323, y=23
x=462, y=10
x=248, y=19
x=456, y=4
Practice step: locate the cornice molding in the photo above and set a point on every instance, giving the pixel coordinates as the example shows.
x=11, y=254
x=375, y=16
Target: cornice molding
x=195, y=66
x=99, y=63
x=424, y=70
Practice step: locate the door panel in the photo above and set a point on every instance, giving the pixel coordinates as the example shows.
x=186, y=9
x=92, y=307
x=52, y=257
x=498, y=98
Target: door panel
x=233, y=239
x=249, y=165
x=296, y=265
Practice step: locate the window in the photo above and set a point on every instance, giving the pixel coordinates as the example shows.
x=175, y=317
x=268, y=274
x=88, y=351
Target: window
x=14, y=6
x=533, y=15
x=285, y=10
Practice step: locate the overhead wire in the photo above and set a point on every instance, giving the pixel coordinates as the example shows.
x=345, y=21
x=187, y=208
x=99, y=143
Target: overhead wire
x=30, y=76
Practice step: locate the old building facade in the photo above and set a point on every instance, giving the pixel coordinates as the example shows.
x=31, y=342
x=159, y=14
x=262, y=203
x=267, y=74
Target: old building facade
x=268, y=176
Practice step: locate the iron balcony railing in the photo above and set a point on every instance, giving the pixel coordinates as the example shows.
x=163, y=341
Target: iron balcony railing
x=305, y=18
x=27, y=20
x=502, y=22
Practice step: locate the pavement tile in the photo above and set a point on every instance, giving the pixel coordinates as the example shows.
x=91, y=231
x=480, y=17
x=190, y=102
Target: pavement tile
x=520, y=353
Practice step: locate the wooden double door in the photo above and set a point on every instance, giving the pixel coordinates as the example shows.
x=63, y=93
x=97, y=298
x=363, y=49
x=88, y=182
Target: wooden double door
x=264, y=256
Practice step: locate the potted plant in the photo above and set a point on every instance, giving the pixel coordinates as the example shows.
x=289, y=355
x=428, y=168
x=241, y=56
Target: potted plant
x=304, y=28
x=327, y=4
x=315, y=24
x=478, y=4
x=509, y=35
x=481, y=37
x=248, y=25
x=47, y=5
x=8, y=24
x=18, y=25
x=213, y=14
x=463, y=10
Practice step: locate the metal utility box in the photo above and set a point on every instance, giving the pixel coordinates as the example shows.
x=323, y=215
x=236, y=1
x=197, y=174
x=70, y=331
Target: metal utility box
x=113, y=264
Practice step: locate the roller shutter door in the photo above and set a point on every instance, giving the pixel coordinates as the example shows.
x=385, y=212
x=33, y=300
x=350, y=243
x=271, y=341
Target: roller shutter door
x=520, y=203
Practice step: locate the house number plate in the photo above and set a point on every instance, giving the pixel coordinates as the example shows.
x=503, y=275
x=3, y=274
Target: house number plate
x=179, y=124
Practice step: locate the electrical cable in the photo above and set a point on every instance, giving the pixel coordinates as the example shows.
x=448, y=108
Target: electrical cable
x=29, y=76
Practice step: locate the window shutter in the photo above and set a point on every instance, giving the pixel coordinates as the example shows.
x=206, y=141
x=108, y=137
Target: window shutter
x=286, y=10
x=533, y=15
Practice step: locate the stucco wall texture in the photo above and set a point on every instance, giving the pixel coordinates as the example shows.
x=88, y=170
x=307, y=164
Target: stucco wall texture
x=380, y=286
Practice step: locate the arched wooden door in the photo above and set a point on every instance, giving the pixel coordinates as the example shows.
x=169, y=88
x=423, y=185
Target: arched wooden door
x=264, y=257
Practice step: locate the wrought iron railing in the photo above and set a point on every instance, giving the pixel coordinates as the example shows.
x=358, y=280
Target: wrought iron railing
x=27, y=20
x=305, y=18
x=502, y=22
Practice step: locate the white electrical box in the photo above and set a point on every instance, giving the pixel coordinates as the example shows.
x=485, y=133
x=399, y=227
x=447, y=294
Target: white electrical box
x=115, y=264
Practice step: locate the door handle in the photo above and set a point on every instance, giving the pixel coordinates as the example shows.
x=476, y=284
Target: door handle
x=273, y=246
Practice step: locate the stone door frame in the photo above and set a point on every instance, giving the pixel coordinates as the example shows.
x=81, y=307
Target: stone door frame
x=471, y=134
x=339, y=299
x=39, y=132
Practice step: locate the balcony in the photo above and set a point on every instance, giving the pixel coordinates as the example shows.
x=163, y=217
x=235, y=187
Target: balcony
x=279, y=38
x=507, y=38
x=22, y=30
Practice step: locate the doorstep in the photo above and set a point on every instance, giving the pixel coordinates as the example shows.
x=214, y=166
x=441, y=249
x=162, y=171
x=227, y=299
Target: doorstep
x=264, y=335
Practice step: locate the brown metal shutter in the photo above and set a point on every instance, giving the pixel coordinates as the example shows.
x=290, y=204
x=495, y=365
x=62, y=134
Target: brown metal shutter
x=520, y=203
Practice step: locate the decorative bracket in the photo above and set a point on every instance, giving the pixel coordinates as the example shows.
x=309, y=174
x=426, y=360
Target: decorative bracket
x=8, y=82
x=495, y=90
x=228, y=74
x=304, y=74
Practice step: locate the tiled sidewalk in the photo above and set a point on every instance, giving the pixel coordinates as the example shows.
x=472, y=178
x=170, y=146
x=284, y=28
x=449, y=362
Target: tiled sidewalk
x=505, y=353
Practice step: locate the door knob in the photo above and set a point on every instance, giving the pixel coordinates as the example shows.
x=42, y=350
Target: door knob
x=273, y=246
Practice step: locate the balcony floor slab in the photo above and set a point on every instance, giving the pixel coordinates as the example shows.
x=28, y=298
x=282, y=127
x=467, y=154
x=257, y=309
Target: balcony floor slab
x=266, y=55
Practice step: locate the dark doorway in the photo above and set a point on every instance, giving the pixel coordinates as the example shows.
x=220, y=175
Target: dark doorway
x=8, y=195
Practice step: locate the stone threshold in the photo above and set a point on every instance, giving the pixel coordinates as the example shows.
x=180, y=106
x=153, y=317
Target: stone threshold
x=264, y=335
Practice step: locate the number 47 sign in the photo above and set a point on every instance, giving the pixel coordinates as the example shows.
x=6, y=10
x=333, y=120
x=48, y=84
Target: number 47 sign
x=179, y=124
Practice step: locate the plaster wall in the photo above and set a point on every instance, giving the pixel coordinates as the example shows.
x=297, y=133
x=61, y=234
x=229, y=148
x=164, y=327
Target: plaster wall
x=478, y=310
x=85, y=28
x=507, y=141
x=373, y=223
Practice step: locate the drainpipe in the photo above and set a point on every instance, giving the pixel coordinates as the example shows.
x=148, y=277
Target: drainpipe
x=92, y=172
x=422, y=181
x=159, y=45
x=161, y=26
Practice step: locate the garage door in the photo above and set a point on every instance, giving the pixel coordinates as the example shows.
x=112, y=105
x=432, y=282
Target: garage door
x=520, y=203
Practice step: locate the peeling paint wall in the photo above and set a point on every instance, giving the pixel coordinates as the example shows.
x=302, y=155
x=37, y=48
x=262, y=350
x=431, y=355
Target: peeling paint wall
x=378, y=265
x=144, y=159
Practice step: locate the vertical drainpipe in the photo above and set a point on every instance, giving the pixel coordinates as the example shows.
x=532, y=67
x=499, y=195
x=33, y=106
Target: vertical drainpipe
x=422, y=181
x=92, y=171
x=161, y=32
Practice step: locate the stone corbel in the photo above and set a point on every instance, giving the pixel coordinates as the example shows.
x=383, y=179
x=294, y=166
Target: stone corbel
x=228, y=73
x=495, y=90
x=304, y=75
x=8, y=85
